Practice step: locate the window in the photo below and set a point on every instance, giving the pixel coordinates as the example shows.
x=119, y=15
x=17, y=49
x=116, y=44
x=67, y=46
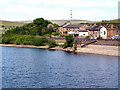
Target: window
x=104, y=32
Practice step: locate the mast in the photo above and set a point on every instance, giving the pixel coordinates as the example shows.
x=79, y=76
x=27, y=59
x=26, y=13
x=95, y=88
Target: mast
x=71, y=15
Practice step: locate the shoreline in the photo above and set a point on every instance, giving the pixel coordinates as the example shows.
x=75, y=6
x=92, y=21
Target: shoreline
x=91, y=49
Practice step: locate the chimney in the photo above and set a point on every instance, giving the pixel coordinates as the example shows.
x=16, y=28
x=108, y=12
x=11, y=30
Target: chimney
x=100, y=24
x=111, y=26
x=68, y=22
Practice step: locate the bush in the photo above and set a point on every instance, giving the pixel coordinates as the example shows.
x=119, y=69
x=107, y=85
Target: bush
x=64, y=35
x=47, y=35
x=63, y=45
x=38, y=42
x=44, y=39
x=87, y=37
x=69, y=40
x=27, y=40
x=51, y=43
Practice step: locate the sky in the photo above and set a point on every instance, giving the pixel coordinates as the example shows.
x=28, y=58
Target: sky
x=20, y=10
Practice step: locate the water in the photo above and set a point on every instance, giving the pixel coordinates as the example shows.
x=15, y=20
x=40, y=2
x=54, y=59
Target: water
x=40, y=68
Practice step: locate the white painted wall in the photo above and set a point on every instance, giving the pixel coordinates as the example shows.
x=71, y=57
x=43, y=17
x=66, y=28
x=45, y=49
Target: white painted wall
x=103, y=33
x=1, y=28
x=71, y=32
x=83, y=33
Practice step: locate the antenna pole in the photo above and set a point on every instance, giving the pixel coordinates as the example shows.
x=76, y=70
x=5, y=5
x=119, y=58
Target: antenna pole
x=71, y=14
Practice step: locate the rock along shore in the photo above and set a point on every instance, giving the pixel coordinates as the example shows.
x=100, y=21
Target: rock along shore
x=93, y=49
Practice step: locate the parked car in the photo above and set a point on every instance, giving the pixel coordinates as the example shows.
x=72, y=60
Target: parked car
x=115, y=37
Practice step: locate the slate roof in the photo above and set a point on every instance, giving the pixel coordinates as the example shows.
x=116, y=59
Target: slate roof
x=62, y=25
x=119, y=26
x=82, y=30
x=73, y=26
x=93, y=28
x=108, y=26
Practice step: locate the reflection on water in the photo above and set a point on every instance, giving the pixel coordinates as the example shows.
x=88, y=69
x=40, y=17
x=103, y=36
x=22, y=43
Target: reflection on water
x=39, y=68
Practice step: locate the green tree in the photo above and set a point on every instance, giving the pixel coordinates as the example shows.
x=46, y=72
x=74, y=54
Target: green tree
x=51, y=43
x=69, y=40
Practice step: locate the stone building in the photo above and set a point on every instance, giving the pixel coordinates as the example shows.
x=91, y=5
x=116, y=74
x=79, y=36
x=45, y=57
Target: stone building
x=93, y=31
x=68, y=27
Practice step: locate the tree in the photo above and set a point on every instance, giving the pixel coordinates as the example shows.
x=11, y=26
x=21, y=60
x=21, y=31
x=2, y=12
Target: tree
x=69, y=40
x=52, y=43
x=38, y=21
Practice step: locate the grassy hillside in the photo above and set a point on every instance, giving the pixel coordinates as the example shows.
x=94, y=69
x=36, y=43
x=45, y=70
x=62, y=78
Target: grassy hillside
x=111, y=21
x=60, y=22
x=9, y=24
x=32, y=33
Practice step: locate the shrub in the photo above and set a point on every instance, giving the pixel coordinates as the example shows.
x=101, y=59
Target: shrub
x=51, y=43
x=64, y=35
x=87, y=37
x=27, y=40
x=38, y=42
x=69, y=40
x=44, y=39
x=47, y=35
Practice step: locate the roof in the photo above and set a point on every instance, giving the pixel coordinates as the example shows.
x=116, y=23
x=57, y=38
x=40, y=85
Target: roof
x=62, y=25
x=73, y=26
x=94, y=27
x=82, y=30
x=109, y=26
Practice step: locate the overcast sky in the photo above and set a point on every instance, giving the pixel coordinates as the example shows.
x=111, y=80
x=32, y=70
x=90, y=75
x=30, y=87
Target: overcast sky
x=18, y=10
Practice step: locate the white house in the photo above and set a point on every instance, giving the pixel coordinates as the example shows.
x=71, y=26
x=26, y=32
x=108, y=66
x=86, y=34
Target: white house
x=83, y=33
x=71, y=32
x=103, y=33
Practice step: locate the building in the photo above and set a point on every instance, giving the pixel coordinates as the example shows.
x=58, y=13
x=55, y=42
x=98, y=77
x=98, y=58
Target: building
x=103, y=32
x=93, y=31
x=111, y=30
x=68, y=27
x=83, y=33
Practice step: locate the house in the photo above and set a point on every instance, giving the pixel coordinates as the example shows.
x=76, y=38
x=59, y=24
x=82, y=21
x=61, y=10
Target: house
x=83, y=33
x=61, y=29
x=68, y=27
x=111, y=30
x=80, y=33
x=93, y=31
x=103, y=32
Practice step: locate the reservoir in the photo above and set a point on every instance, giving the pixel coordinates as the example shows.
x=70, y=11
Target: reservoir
x=42, y=68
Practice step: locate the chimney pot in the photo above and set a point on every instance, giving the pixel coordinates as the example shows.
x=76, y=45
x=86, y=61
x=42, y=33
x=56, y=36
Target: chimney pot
x=111, y=26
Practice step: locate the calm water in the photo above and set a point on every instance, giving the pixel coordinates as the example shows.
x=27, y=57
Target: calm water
x=40, y=68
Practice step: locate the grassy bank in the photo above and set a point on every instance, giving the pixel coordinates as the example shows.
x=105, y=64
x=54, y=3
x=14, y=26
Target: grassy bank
x=27, y=40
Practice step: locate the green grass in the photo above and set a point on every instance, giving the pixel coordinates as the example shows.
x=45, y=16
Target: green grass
x=115, y=21
x=60, y=22
x=8, y=24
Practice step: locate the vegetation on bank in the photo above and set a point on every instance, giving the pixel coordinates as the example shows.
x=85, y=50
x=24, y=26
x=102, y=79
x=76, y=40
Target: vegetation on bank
x=28, y=40
x=32, y=34
x=39, y=27
x=69, y=41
